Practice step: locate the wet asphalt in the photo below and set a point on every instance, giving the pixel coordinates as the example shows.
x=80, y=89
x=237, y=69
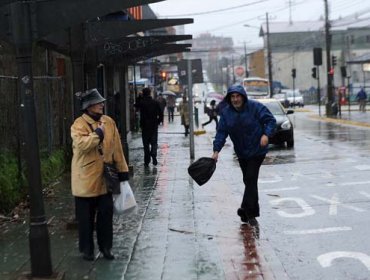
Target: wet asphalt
x=311, y=226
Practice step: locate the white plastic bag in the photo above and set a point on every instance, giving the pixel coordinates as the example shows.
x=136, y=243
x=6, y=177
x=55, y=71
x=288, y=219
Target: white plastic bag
x=124, y=202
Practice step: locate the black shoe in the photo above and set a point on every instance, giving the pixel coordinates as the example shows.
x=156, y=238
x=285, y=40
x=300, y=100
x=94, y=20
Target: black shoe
x=107, y=254
x=88, y=257
x=252, y=222
x=155, y=161
x=242, y=215
x=146, y=164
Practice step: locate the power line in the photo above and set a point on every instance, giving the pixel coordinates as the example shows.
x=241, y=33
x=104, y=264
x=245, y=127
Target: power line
x=216, y=11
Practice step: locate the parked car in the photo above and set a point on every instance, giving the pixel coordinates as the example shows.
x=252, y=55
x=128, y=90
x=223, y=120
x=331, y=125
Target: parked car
x=284, y=130
x=295, y=98
x=282, y=98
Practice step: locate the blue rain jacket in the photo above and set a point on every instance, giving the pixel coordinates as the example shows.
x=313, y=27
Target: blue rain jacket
x=245, y=127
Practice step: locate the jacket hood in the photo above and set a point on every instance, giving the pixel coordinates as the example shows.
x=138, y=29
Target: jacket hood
x=236, y=89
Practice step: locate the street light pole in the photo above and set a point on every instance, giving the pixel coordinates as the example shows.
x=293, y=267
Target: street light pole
x=269, y=61
x=329, y=111
x=246, y=61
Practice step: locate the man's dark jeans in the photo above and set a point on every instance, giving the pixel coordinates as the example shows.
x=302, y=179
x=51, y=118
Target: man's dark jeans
x=150, y=143
x=250, y=168
x=171, y=111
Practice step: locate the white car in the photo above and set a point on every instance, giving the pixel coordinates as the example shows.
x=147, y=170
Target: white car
x=294, y=98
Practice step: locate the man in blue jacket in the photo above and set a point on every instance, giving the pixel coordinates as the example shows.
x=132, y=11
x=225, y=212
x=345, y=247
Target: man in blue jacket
x=249, y=124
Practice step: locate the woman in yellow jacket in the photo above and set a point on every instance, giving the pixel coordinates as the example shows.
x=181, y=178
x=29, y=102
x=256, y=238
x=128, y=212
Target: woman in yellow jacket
x=184, y=113
x=95, y=140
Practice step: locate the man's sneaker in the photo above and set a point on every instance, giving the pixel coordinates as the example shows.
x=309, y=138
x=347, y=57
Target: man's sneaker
x=252, y=222
x=242, y=215
x=155, y=161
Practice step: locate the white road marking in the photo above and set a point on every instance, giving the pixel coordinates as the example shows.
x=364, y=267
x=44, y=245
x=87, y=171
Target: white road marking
x=280, y=189
x=362, y=167
x=355, y=183
x=333, y=209
x=366, y=194
x=317, y=231
x=307, y=210
x=325, y=260
x=272, y=179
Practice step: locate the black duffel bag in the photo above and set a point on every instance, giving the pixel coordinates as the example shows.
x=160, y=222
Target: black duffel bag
x=202, y=170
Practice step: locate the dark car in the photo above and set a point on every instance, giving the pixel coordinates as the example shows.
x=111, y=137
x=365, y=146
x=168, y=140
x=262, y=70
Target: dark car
x=284, y=127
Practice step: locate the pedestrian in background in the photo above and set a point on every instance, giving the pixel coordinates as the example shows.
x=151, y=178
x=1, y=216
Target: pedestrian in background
x=151, y=115
x=212, y=114
x=95, y=140
x=184, y=113
x=362, y=98
x=171, y=104
x=249, y=124
x=162, y=103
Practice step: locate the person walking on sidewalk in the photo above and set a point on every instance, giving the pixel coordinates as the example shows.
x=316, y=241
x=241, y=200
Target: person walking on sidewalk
x=162, y=103
x=249, y=124
x=95, y=140
x=171, y=104
x=362, y=98
x=212, y=113
x=184, y=113
x=151, y=115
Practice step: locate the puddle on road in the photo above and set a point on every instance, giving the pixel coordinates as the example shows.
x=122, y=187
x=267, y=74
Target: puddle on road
x=286, y=159
x=279, y=159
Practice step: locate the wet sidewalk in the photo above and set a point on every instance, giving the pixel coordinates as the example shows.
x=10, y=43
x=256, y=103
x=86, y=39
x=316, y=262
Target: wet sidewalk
x=181, y=230
x=348, y=115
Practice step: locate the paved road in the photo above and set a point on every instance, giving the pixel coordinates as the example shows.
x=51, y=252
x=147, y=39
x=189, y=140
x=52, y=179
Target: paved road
x=313, y=224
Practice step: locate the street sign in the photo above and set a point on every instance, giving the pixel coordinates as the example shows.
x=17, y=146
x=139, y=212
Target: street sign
x=196, y=69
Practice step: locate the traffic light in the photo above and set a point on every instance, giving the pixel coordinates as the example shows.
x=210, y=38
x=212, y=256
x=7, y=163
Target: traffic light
x=333, y=60
x=343, y=71
x=293, y=73
x=317, y=56
x=163, y=76
x=314, y=74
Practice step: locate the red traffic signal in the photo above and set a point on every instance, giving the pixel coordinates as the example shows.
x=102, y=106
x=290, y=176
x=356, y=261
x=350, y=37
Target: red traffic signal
x=163, y=75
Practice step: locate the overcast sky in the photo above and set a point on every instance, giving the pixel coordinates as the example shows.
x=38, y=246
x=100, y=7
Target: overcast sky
x=228, y=17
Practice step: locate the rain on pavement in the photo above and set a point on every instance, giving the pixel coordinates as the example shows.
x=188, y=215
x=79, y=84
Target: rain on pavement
x=313, y=225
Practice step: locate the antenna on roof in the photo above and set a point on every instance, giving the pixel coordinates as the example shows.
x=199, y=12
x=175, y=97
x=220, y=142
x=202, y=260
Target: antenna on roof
x=290, y=12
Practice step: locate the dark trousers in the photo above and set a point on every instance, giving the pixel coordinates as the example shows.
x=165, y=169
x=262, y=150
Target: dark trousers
x=250, y=168
x=150, y=143
x=213, y=118
x=170, y=111
x=87, y=208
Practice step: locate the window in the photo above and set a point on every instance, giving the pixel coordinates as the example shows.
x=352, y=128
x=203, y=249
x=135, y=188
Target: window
x=367, y=39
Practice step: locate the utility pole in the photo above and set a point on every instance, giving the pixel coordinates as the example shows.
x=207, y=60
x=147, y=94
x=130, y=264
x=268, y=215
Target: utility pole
x=190, y=102
x=246, y=61
x=39, y=242
x=269, y=62
x=330, y=101
x=232, y=65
